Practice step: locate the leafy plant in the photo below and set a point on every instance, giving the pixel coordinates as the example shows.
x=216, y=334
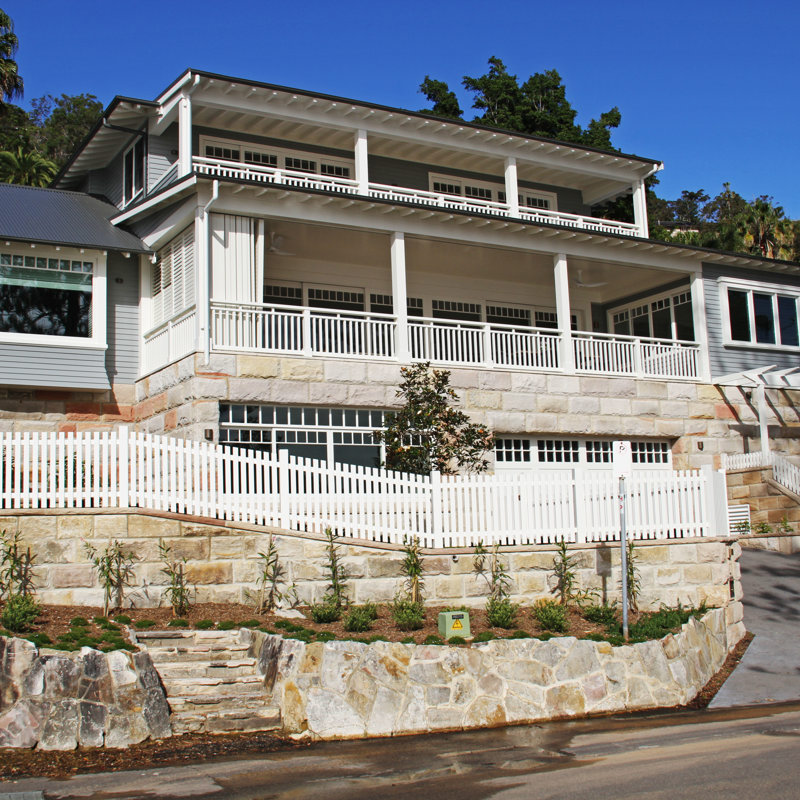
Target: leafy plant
x=358, y=619
x=456, y=640
x=634, y=584
x=427, y=433
x=336, y=594
x=408, y=640
x=270, y=577
x=501, y=613
x=16, y=566
x=566, y=586
x=484, y=636
x=123, y=619
x=143, y=624
x=408, y=616
x=433, y=639
x=550, y=615
x=412, y=569
x=602, y=614
x=114, y=568
x=326, y=611
x=178, y=623
x=19, y=611
x=204, y=624
x=226, y=625
x=371, y=610
x=177, y=590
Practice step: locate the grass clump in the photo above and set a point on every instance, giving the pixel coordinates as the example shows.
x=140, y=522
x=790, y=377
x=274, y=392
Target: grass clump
x=456, y=640
x=178, y=623
x=519, y=635
x=19, y=612
x=325, y=636
x=326, y=611
x=78, y=622
x=501, y=612
x=408, y=640
x=226, y=625
x=143, y=624
x=122, y=619
x=204, y=624
x=408, y=615
x=359, y=619
x=249, y=623
x=484, y=636
x=433, y=639
x=550, y=615
x=601, y=614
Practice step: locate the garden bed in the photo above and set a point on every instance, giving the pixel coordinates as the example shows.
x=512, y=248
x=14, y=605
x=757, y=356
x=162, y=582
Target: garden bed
x=55, y=626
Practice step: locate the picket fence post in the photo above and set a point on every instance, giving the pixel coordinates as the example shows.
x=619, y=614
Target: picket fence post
x=283, y=488
x=123, y=465
x=436, y=506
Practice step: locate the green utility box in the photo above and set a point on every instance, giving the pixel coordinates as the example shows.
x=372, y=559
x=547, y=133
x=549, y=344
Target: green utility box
x=454, y=623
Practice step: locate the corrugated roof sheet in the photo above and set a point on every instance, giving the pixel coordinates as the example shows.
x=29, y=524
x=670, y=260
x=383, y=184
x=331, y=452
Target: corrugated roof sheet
x=54, y=216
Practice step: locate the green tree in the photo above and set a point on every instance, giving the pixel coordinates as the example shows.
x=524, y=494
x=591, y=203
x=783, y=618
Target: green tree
x=765, y=229
x=688, y=209
x=445, y=102
x=25, y=167
x=11, y=84
x=427, y=433
x=62, y=123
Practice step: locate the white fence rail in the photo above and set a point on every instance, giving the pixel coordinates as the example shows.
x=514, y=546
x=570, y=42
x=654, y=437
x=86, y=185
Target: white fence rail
x=170, y=341
x=785, y=473
x=127, y=469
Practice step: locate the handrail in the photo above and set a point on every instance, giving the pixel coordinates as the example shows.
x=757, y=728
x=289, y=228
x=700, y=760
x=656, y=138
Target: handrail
x=625, y=337
x=167, y=323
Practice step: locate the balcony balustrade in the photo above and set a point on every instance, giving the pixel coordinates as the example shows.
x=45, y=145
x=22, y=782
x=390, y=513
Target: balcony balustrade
x=303, y=331
x=218, y=168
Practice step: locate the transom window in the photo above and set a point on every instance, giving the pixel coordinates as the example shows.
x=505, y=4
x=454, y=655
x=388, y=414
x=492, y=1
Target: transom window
x=346, y=300
x=453, y=309
x=283, y=295
x=224, y=152
x=49, y=296
x=764, y=316
x=300, y=164
x=384, y=304
x=337, y=170
x=508, y=315
x=485, y=190
x=256, y=157
x=667, y=316
x=515, y=452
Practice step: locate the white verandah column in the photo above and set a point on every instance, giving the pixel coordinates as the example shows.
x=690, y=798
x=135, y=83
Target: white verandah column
x=567, y=354
x=362, y=162
x=699, y=324
x=640, y=209
x=512, y=187
x=400, y=296
x=184, y=136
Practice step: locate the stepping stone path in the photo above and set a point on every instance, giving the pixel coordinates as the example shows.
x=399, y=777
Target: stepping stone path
x=212, y=683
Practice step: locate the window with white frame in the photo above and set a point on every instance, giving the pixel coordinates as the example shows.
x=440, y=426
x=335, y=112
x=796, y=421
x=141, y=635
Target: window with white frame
x=172, y=278
x=762, y=314
x=664, y=316
x=530, y=452
x=484, y=190
x=454, y=309
x=133, y=171
x=46, y=296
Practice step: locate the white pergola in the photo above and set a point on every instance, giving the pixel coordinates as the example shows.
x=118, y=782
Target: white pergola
x=758, y=381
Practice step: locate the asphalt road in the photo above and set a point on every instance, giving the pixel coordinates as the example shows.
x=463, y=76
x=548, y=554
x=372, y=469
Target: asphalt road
x=739, y=753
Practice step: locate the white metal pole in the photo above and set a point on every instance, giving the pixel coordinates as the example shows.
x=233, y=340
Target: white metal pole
x=623, y=540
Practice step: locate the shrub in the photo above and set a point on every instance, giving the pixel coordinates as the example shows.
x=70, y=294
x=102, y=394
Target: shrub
x=408, y=616
x=99, y=620
x=177, y=590
x=16, y=566
x=142, y=624
x=326, y=611
x=501, y=612
x=370, y=609
x=123, y=619
x=19, y=612
x=550, y=615
x=484, y=636
x=249, y=623
x=178, y=623
x=412, y=569
x=204, y=624
x=519, y=635
x=325, y=636
x=433, y=639
x=270, y=578
x=358, y=620
x=337, y=574
x=78, y=622
x=226, y=625
x=634, y=584
x=114, y=568
x=456, y=640
x=408, y=640
x=39, y=639
x=602, y=614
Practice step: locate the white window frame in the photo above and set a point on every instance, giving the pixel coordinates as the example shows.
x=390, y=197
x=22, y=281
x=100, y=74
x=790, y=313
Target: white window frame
x=126, y=200
x=280, y=153
x=99, y=298
x=750, y=287
x=496, y=189
x=647, y=302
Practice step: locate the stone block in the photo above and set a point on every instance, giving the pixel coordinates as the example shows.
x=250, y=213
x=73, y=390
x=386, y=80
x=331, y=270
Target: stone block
x=257, y=367
x=518, y=401
x=74, y=526
x=348, y=372
x=38, y=526
x=302, y=369
x=334, y=394
x=697, y=573
x=656, y=554
x=220, y=572
x=141, y=527
x=583, y=405
x=615, y=406
x=448, y=587
x=388, y=374
x=528, y=382
x=368, y=396
x=564, y=384
x=69, y=576
x=498, y=381
x=477, y=398
x=216, y=388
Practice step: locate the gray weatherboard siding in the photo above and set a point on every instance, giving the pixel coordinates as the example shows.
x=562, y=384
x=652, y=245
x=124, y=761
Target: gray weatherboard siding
x=122, y=356
x=729, y=359
x=162, y=153
x=37, y=365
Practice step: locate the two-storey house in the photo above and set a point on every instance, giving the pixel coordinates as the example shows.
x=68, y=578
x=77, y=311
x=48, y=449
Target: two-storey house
x=270, y=257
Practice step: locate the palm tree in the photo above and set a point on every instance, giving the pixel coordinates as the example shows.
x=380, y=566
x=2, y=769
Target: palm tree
x=10, y=80
x=766, y=230
x=26, y=167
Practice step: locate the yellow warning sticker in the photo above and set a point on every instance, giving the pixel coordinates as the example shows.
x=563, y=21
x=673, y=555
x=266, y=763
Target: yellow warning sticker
x=457, y=626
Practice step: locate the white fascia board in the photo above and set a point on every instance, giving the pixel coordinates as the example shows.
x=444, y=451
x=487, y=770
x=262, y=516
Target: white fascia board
x=176, y=221
x=486, y=142
x=186, y=183
x=175, y=86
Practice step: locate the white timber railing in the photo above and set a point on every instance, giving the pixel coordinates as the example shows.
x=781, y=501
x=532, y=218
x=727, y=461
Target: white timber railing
x=218, y=168
x=169, y=341
x=784, y=471
x=254, y=327
x=746, y=460
x=125, y=469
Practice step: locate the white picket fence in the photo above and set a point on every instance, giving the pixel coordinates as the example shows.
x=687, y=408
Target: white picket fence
x=784, y=471
x=136, y=470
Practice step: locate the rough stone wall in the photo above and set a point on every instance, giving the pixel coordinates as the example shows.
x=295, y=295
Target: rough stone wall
x=346, y=689
x=222, y=563
x=701, y=420
x=58, y=701
x=768, y=503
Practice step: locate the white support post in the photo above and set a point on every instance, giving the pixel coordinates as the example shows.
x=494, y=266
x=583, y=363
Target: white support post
x=760, y=393
x=362, y=162
x=284, y=492
x=512, y=187
x=123, y=466
x=202, y=281
x=640, y=209
x=563, y=312
x=436, y=509
x=184, y=136
x=100, y=302
x=400, y=296
x=699, y=324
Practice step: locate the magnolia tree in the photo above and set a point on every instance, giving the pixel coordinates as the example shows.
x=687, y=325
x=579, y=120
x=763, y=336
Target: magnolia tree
x=427, y=434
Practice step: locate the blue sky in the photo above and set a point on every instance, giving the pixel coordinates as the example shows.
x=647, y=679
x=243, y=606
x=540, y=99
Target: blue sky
x=709, y=87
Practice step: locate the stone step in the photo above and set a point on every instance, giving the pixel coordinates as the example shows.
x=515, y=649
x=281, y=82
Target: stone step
x=206, y=669
x=267, y=718
x=242, y=684
x=210, y=704
x=174, y=654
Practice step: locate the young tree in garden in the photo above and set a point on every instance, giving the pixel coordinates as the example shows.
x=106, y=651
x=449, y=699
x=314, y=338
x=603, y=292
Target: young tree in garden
x=11, y=84
x=427, y=433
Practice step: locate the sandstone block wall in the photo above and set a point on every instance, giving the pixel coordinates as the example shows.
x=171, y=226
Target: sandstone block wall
x=346, y=689
x=222, y=563
x=57, y=701
x=702, y=420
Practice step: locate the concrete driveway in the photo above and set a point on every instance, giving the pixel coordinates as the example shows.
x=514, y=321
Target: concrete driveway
x=770, y=669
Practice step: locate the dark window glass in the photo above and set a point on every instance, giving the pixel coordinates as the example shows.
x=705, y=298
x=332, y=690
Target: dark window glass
x=740, y=316
x=684, y=323
x=765, y=322
x=662, y=323
x=787, y=315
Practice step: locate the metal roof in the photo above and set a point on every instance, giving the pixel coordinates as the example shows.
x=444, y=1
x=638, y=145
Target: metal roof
x=53, y=216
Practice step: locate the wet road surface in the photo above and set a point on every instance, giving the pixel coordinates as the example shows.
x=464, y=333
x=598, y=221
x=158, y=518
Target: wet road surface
x=732, y=753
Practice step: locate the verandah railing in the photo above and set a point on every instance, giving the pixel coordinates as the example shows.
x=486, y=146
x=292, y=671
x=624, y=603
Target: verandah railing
x=784, y=471
x=136, y=470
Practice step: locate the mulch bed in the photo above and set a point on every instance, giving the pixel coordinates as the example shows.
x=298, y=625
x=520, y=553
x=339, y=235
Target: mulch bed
x=55, y=621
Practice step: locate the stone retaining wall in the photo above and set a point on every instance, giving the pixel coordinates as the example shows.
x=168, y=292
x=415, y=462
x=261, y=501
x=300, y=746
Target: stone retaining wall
x=222, y=563
x=338, y=690
x=58, y=701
